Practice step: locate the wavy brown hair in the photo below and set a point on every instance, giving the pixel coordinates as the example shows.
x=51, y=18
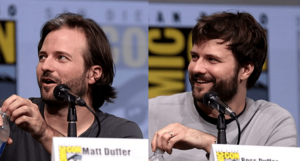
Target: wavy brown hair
x=98, y=52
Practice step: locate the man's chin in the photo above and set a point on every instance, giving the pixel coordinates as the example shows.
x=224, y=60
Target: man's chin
x=54, y=102
x=198, y=95
x=50, y=100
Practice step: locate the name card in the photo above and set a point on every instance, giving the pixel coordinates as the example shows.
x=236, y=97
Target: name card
x=221, y=152
x=95, y=149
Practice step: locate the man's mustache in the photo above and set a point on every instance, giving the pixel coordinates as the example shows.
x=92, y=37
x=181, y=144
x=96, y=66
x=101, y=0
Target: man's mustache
x=48, y=75
x=203, y=77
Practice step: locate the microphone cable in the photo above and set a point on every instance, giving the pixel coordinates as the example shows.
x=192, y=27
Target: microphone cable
x=239, y=130
x=99, y=129
x=234, y=116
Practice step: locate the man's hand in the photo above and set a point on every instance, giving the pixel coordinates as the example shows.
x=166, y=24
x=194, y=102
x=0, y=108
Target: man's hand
x=26, y=115
x=180, y=137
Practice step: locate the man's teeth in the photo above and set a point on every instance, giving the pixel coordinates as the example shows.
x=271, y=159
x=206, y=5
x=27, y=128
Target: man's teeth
x=201, y=81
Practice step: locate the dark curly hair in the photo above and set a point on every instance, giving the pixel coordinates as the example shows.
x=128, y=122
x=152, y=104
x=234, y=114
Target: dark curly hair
x=247, y=39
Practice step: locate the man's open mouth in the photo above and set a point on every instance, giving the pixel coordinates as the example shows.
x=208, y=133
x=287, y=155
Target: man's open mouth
x=48, y=81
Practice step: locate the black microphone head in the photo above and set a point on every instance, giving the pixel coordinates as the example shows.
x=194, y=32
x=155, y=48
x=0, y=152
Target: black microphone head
x=208, y=96
x=58, y=90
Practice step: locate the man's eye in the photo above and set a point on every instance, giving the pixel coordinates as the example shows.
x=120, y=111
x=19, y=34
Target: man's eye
x=62, y=57
x=194, y=56
x=212, y=59
x=41, y=57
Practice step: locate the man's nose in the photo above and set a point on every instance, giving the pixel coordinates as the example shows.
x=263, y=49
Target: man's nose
x=200, y=67
x=47, y=64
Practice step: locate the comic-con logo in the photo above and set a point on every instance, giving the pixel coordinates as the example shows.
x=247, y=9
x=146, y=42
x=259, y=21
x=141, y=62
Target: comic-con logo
x=228, y=156
x=7, y=42
x=70, y=153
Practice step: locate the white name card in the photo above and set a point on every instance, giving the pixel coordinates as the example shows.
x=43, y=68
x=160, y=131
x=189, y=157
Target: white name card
x=95, y=149
x=221, y=152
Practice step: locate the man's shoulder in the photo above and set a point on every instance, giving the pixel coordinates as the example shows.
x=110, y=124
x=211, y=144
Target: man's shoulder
x=171, y=104
x=179, y=98
x=275, y=124
x=114, y=126
x=267, y=108
x=111, y=118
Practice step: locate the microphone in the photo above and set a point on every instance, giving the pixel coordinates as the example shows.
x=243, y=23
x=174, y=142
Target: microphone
x=211, y=99
x=62, y=92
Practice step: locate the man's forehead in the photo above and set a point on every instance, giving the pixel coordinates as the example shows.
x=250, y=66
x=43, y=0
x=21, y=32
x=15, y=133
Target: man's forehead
x=66, y=40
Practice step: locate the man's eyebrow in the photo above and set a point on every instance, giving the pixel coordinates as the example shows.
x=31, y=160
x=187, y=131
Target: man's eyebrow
x=42, y=52
x=57, y=53
x=210, y=55
x=193, y=52
x=207, y=55
x=63, y=53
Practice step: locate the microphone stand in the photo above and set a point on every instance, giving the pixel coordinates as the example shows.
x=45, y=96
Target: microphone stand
x=72, y=118
x=221, y=126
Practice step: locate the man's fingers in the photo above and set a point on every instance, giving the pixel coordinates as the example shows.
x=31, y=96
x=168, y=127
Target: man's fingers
x=1, y=121
x=8, y=102
x=153, y=142
x=21, y=111
x=14, y=102
x=9, y=141
x=162, y=137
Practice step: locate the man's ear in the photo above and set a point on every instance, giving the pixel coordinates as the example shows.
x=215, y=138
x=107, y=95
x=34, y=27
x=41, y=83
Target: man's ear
x=246, y=71
x=94, y=74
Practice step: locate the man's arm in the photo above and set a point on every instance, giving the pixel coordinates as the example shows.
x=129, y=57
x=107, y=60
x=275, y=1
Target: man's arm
x=180, y=137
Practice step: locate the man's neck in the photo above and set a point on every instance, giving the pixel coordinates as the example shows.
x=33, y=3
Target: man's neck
x=57, y=118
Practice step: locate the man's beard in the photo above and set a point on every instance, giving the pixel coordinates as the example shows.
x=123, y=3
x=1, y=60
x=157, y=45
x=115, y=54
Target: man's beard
x=76, y=85
x=225, y=88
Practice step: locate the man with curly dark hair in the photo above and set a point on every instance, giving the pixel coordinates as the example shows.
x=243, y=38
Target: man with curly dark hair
x=228, y=53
